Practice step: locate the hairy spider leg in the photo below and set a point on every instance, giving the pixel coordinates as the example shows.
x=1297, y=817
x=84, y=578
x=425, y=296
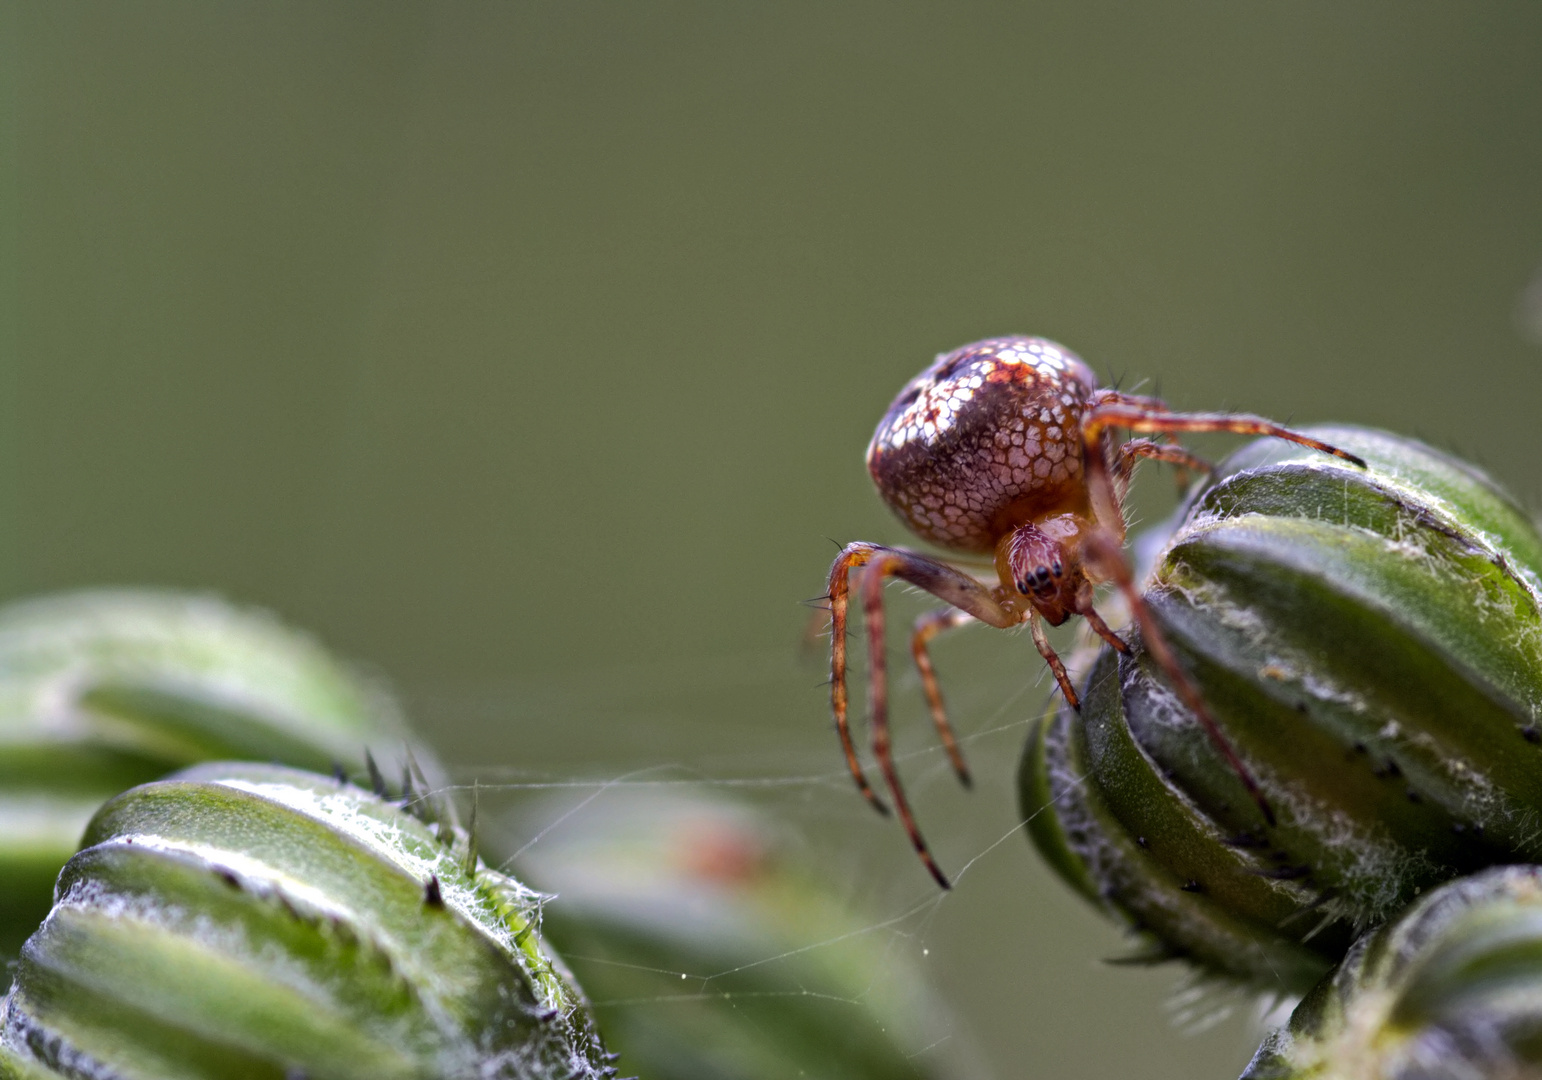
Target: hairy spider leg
x=933, y=623
x=1135, y=449
x=1052, y=658
x=1114, y=410
x=1111, y=409
x=927, y=627
x=942, y=581
x=1103, y=630
x=847, y=561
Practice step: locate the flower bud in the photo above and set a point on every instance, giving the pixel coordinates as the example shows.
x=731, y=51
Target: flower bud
x=1369, y=643
x=1450, y=988
x=250, y=920
x=103, y=690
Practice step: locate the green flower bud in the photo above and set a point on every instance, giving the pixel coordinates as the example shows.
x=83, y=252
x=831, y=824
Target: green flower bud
x=1452, y=988
x=1370, y=644
x=100, y=691
x=243, y=920
x=713, y=951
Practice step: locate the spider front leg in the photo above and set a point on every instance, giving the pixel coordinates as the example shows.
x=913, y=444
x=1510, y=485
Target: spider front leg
x=1105, y=543
x=1109, y=555
x=1052, y=658
x=943, y=582
x=1111, y=409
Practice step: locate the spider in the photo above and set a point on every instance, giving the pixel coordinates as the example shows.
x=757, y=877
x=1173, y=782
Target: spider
x=1002, y=449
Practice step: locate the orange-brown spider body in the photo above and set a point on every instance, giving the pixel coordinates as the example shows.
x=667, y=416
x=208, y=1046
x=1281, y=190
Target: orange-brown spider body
x=1002, y=448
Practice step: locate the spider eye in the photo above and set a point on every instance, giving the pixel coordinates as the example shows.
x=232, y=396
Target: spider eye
x=1057, y=569
x=1039, y=580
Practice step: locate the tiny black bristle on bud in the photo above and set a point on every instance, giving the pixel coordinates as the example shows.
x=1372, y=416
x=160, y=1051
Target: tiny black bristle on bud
x=407, y=794
x=339, y=773
x=1152, y=954
x=433, y=896
x=471, y=834
x=376, y=780
x=431, y=807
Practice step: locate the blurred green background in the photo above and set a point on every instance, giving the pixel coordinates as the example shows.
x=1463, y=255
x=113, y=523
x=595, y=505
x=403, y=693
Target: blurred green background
x=528, y=353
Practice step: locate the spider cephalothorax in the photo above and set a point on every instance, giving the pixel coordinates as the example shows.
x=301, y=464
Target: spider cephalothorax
x=1002, y=448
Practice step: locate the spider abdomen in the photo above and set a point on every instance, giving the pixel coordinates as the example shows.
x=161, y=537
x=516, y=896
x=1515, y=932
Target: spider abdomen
x=987, y=437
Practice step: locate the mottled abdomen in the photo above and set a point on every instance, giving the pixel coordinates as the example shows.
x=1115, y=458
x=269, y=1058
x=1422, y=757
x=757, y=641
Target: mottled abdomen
x=986, y=438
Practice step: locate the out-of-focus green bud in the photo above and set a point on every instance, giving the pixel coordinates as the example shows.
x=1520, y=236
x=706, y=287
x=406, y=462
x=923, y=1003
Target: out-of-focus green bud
x=1449, y=990
x=103, y=690
x=1370, y=643
x=712, y=951
x=241, y=921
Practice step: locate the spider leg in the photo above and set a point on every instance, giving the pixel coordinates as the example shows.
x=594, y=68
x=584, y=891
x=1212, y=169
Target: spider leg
x=1135, y=449
x=1101, y=628
x=1107, y=555
x=937, y=578
x=1168, y=452
x=848, y=560
x=927, y=627
x=1115, y=410
x=1052, y=658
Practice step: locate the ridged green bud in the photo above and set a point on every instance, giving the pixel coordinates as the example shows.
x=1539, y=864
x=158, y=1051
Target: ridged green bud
x=242, y=921
x=1449, y=990
x=100, y=691
x=713, y=951
x=1370, y=643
